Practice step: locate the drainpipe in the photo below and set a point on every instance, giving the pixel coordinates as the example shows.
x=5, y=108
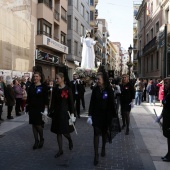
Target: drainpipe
x=165, y=52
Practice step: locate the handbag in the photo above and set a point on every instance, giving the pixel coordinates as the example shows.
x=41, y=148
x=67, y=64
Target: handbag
x=114, y=129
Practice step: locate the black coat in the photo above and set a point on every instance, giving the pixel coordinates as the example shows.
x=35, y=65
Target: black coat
x=80, y=88
x=102, y=107
x=166, y=116
x=126, y=96
x=37, y=99
x=10, y=96
x=62, y=102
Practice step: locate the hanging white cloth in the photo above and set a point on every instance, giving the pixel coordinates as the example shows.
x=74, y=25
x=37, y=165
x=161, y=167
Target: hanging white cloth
x=88, y=56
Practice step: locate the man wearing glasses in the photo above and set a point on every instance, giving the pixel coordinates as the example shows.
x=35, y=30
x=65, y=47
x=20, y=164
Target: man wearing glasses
x=126, y=100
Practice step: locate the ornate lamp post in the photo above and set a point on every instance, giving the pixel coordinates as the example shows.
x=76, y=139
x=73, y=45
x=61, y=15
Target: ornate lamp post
x=129, y=63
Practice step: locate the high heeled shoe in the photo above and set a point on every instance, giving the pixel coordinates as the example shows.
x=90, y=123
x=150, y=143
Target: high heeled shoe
x=41, y=143
x=103, y=153
x=35, y=146
x=70, y=144
x=96, y=159
x=59, y=154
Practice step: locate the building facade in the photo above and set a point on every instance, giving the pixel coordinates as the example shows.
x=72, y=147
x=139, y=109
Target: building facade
x=78, y=23
x=153, y=29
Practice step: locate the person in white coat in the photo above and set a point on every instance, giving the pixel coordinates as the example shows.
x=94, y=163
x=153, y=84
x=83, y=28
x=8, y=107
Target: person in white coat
x=88, y=56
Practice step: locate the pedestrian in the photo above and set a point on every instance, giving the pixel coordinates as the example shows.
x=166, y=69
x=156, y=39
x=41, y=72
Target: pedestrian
x=101, y=112
x=28, y=84
x=83, y=86
x=152, y=92
x=126, y=100
x=62, y=102
x=166, y=118
x=144, y=90
x=24, y=98
x=37, y=103
x=161, y=92
x=10, y=97
x=76, y=87
x=1, y=102
x=18, y=96
x=139, y=86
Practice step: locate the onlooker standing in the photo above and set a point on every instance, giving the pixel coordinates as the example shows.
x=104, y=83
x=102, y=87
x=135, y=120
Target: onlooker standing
x=161, y=91
x=3, y=89
x=144, y=90
x=1, y=102
x=24, y=98
x=152, y=92
x=18, y=96
x=126, y=100
x=139, y=91
x=10, y=97
x=166, y=118
x=83, y=91
x=28, y=84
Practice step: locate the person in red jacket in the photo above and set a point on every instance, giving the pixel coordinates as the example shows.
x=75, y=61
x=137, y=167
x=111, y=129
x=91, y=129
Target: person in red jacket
x=161, y=91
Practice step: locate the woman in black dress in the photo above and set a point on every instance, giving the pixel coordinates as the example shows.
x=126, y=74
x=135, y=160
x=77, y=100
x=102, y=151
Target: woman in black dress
x=37, y=102
x=62, y=102
x=101, y=110
x=166, y=118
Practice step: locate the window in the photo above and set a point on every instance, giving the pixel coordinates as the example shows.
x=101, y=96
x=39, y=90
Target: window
x=82, y=30
x=91, y=16
x=76, y=25
x=152, y=62
x=44, y=27
x=82, y=10
x=147, y=38
x=92, y=2
x=151, y=33
x=69, y=22
x=70, y=2
x=63, y=14
x=46, y=2
x=147, y=64
x=157, y=60
x=87, y=16
x=157, y=26
x=63, y=38
x=76, y=3
x=69, y=46
x=75, y=48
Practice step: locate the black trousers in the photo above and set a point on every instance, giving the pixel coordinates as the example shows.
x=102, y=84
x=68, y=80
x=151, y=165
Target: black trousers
x=77, y=100
x=1, y=105
x=82, y=101
x=18, y=105
x=9, y=110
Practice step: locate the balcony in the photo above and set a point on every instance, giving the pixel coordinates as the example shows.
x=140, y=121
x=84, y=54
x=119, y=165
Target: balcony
x=96, y=12
x=39, y=32
x=96, y=2
x=46, y=2
x=56, y=15
x=151, y=44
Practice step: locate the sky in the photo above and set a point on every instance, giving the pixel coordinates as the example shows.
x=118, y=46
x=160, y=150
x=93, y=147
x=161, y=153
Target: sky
x=119, y=16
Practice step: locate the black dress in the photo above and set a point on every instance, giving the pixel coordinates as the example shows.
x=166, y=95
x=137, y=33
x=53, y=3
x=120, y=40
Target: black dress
x=166, y=116
x=102, y=107
x=37, y=99
x=62, y=102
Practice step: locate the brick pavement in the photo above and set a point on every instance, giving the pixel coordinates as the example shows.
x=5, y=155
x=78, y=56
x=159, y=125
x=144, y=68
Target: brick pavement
x=16, y=150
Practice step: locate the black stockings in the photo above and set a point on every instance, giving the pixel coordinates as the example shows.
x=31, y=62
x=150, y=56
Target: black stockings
x=126, y=119
x=168, y=142
x=37, y=130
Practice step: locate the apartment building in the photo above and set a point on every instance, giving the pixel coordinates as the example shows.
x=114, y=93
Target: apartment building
x=153, y=29
x=50, y=20
x=78, y=23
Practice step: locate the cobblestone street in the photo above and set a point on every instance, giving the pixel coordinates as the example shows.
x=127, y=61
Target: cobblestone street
x=17, y=154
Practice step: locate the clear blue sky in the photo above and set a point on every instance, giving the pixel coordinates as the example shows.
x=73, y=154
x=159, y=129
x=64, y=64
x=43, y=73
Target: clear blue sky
x=119, y=16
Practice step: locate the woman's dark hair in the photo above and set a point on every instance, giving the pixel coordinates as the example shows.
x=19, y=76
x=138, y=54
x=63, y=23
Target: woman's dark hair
x=89, y=33
x=103, y=73
x=14, y=81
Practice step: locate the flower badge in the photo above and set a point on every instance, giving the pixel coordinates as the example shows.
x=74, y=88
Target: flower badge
x=64, y=94
x=105, y=95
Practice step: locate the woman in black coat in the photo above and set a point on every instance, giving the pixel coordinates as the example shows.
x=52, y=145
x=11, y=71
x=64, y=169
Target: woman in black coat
x=101, y=110
x=62, y=102
x=37, y=103
x=166, y=118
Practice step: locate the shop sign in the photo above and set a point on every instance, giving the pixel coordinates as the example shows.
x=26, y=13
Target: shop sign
x=54, y=44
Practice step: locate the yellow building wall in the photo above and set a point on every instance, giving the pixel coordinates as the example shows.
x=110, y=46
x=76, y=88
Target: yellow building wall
x=16, y=42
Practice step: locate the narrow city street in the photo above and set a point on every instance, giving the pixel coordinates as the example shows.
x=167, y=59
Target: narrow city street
x=127, y=152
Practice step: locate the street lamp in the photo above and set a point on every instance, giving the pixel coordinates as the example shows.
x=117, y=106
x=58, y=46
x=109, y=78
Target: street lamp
x=129, y=63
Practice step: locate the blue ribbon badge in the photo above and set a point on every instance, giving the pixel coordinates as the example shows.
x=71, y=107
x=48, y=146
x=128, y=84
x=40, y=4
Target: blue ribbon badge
x=105, y=95
x=39, y=90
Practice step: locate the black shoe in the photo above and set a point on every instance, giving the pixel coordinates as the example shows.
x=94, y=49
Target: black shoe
x=78, y=116
x=103, y=153
x=166, y=159
x=70, y=144
x=41, y=143
x=18, y=114
x=164, y=156
x=83, y=108
x=123, y=126
x=127, y=132
x=10, y=117
x=59, y=154
x=96, y=159
x=36, y=145
x=1, y=119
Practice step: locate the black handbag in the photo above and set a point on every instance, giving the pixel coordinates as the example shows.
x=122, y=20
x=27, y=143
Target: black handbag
x=114, y=129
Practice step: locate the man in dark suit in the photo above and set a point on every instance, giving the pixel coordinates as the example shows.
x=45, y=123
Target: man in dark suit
x=77, y=91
